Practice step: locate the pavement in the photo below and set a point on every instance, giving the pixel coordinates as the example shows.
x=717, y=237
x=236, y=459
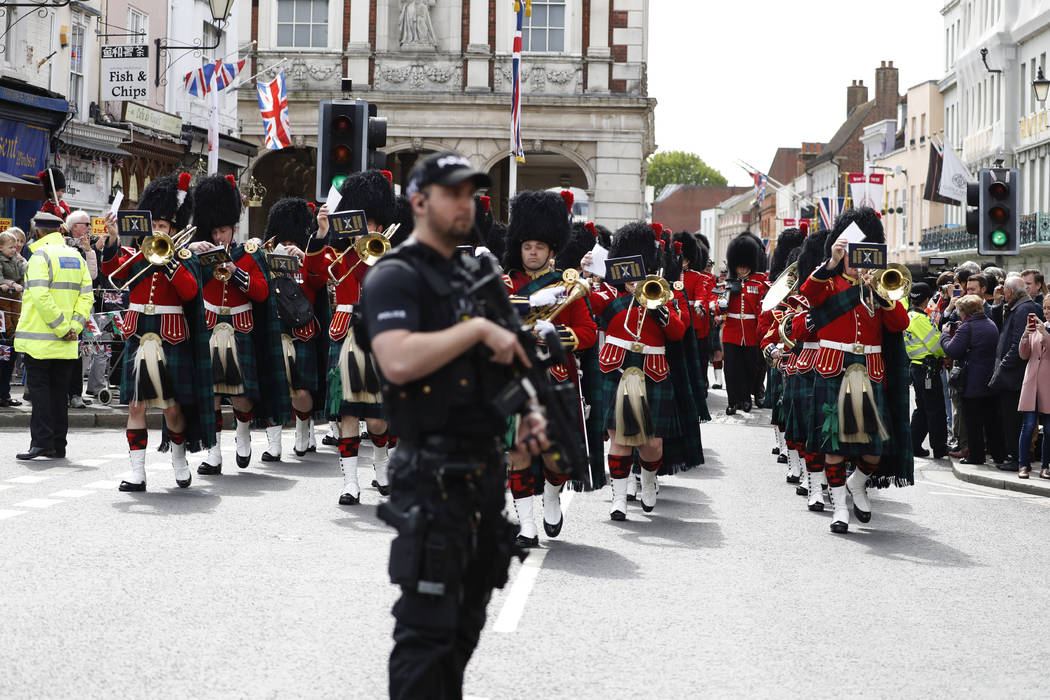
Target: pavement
x=255, y=583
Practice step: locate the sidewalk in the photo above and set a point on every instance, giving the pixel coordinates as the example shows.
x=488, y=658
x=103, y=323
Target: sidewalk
x=988, y=475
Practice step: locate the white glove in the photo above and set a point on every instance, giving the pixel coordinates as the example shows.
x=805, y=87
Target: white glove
x=546, y=296
x=541, y=327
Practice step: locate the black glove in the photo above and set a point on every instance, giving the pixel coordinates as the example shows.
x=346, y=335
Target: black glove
x=662, y=315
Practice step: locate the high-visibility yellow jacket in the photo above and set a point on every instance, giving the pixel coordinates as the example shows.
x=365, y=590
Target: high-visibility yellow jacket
x=921, y=338
x=57, y=299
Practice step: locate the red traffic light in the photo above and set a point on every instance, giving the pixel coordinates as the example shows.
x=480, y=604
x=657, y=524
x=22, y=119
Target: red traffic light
x=341, y=124
x=998, y=214
x=999, y=190
x=341, y=154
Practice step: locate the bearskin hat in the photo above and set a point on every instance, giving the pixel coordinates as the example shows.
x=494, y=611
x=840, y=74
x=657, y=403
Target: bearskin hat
x=371, y=192
x=581, y=241
x=690, y=250
x=217, y=202
x=56, y=175
x=535, y=215
x=745, y=251
x=703, y=253
x=788, y=240
x=404, y=218
x=702, y=240
x=635, y=238
x=604, y=236
x=169, y=199
x=811, y=254
x=868, y=221
x=496, y=240
x=289, y=220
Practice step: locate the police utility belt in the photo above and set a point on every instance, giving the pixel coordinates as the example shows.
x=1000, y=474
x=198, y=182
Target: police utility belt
x=855, y=348
x=227, y=310
x=636, y=347
x=155, y=309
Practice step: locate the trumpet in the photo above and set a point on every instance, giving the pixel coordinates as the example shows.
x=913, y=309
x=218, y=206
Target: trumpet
x=653, y=292
x=575, y=289
x=893, y=283
x=369, y=249
x=157, y=250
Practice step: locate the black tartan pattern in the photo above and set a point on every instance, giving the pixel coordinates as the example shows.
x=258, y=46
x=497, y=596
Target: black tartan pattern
x=797, y=397
x=660, y=396
x=355, y=409
x=825, y=396
x=775, y=397
x=247, y=359
x=177, y=358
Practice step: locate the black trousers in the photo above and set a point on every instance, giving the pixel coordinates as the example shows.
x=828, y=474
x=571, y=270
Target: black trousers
x=48, y=382
x=981, y=426
x=76, y=377
x=929, y=417
x=742, y=364
x=703, y=347
x=435, y=633
x=1009, y=422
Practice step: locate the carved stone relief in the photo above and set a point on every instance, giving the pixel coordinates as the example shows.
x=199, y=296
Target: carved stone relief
x=540, y=78
x=418, y=75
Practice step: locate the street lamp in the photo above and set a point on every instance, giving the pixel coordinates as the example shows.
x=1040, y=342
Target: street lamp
x=1041, y=86
x=220, y=13
x=220, y=10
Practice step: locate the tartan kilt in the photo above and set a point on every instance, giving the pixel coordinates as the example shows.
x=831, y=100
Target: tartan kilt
x=796, y=404
x=824, y=404
x=659, y=395
x=338, y=408
x=775, y=394
x=177, y=358
x=305, y=359
x=248, y=361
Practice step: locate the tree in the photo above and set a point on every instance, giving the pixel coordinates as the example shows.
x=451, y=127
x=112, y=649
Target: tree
x=681, y=168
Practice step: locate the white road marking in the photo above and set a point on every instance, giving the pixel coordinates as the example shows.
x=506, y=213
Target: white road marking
x=967, y=495
x=72, y=493
x=5, y=514
x=37, y=503
x=514, y=605
x=29, y=479
x=115, y=455
x=6, y=486
x=102, y=485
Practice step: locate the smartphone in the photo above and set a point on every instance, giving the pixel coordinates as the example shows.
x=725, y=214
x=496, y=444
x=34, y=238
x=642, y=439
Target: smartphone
x=956, y=292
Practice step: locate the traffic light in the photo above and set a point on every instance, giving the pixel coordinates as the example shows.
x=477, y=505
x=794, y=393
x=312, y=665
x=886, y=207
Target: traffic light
x=348, y=134
x=998, y=211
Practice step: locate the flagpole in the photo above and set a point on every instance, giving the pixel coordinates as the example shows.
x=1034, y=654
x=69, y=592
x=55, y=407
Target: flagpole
x=213, y=128
x=253, y=77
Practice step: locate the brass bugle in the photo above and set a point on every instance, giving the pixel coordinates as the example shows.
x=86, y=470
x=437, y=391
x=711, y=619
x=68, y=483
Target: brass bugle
x=653, y=292
x=893, y=283
x=369, y=249
x=575, y=289
x=157, y=249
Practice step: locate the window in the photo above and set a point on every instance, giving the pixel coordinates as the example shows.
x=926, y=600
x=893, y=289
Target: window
x=138, y=23
x=545, y=30
x=76, y=63
x=303, y=23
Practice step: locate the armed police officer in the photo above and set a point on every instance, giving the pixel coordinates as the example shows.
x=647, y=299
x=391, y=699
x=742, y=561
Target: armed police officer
x=444, y=368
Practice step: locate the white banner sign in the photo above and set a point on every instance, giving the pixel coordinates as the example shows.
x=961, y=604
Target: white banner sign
x=125, y=73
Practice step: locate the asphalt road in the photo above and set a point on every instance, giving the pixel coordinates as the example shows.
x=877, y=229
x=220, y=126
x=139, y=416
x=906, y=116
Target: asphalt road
x=257, y=584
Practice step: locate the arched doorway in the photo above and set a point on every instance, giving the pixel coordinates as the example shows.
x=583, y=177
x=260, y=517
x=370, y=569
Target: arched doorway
x=288, y=172
x=540, y=171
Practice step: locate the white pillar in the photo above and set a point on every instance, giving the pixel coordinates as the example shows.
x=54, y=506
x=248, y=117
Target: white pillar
x=478, y=52
x=598, y=53
x=357, y=47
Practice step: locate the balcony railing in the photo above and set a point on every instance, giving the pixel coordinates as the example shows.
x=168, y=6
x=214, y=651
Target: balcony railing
x=1035, y=230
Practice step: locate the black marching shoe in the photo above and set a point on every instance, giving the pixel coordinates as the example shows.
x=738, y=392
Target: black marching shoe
x=792, y=479
x=349, y=499
x=618, y=515
x=838, y=527
x=801, y=490
x=383, y=490
x=730, y=410
x=746, y=407
x=776, y=450
x=816, y=507
x=243, y=462
x=35, y=452
x=209, y=469
x=782, y=459
x=183, y=483
x=527, y=542
x=267, y=457
x=326, y=440
x=920, y=452
x=129, y=486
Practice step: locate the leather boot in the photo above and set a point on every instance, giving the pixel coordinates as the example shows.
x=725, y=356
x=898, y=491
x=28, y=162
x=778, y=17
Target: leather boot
x=351, y=490
x=840, y=518
x=183, y=477
x=795, y=467
x=302, y=436
x=243, y=442
x=381, y=467
x=632, y=487
x=648, y=491
x=816, y=491
x=857, y=485
x=618, y=510
x=552, y=515
x=527, y=534
x=137, y=480
x=273, y=444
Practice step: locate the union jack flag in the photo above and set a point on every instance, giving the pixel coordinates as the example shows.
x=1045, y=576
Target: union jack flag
x=273, y=105
x=829, y=208
x=760, y=186
x=198, y=82
x=516, y=148
x=5, y=353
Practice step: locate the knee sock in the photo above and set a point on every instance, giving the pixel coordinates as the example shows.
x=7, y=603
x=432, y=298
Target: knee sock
x=381, y=440
x=302, y=415
x=814, y=462
x=349, y=447
x=553, y=478
x=620, y=466
x=176, y=438
x=652, y=466
x=716, y=364
x=137, y=438
x=867, y=468
x=836, y=474
x=218, y=420
x=244, y=417
x=521, y=483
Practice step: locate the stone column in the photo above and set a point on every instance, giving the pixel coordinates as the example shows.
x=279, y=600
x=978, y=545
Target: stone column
x=358, y=49
x=478, y=53
x=598, y=56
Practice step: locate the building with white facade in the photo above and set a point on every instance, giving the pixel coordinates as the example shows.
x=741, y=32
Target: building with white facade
x=586, y=119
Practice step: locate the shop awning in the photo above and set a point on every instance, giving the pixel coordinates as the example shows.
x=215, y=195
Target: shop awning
x=12, y=187
x=93, y=147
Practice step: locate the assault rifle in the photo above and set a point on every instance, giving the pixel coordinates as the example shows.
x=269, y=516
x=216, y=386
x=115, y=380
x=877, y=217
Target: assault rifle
x=558, y=399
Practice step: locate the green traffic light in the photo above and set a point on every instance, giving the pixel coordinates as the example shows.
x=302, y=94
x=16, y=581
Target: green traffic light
x=999, y=238
x=337, y=181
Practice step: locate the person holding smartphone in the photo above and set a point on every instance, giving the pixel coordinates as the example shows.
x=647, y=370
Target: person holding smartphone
x=1034, y=403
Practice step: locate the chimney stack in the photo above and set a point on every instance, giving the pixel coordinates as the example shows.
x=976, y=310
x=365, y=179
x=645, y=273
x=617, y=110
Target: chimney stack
x=856, y=95
x=886, y=90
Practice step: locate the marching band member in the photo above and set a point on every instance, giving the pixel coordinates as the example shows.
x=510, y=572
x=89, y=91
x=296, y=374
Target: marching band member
x=163, y=328
x=639, y=402
x=354, y=391
x=230, y=289
x=743, y=362
x=539, y=229
x=859, y=332
x=305, y=347
x=54, y=183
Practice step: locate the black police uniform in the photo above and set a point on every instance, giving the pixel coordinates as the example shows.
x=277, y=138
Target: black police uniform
x=447, y=476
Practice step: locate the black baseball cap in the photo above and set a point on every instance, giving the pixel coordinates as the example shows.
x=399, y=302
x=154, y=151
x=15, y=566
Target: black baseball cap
x=446, y=169
x=920, y=290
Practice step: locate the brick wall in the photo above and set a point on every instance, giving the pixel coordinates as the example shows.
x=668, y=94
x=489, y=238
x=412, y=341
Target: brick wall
x=681, y=210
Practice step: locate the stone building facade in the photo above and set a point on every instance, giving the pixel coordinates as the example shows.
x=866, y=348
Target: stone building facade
x=586, y=119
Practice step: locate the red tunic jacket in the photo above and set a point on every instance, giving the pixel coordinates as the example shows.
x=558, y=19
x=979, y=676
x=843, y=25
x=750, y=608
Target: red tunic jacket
x=621, y=330
x=741, y=324
x=154, y=290
x=248, y=285
x=575, y=327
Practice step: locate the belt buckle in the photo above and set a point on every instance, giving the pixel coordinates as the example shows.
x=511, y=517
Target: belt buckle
x=224, y=310
x=858, y=348
x=637, y=347
x=149, y=308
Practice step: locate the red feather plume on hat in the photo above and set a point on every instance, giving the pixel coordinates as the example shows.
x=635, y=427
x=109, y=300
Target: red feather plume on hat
x=486, y=203
x=592, y=228
x=312, y=207
x=569, y=199
x=388, y=175
x=232, y=180
x=678, y=247
x=658, y=228
x=803, y=226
